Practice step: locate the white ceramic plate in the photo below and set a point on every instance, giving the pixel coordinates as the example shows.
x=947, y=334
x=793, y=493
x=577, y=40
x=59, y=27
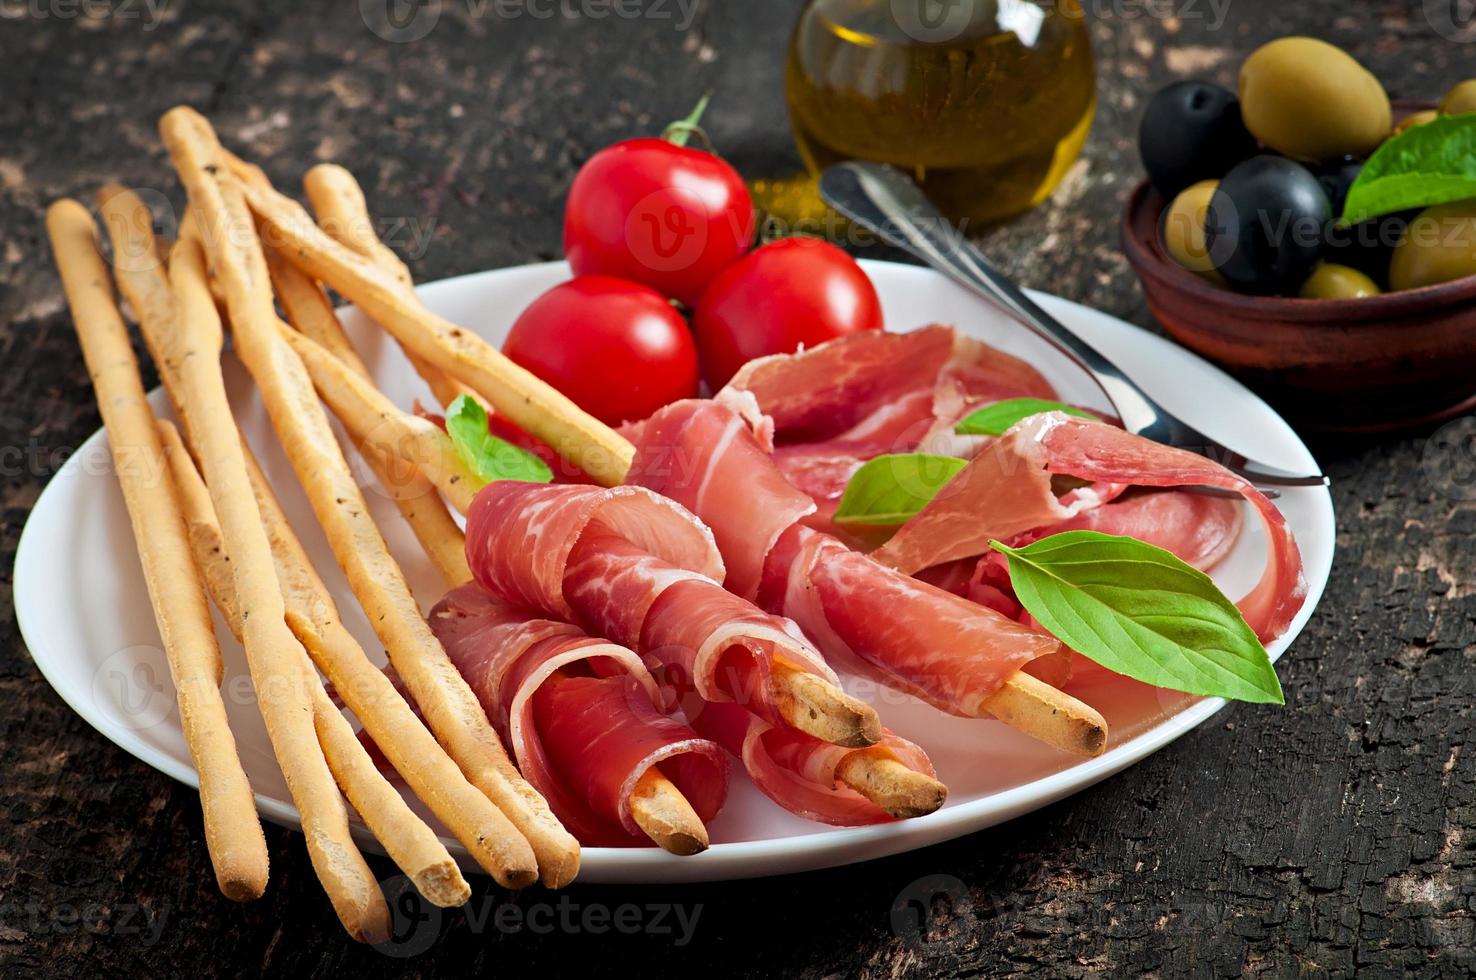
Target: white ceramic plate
x=85, y=614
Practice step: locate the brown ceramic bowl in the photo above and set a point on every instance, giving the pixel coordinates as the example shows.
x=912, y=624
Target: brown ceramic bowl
x=1379, y=363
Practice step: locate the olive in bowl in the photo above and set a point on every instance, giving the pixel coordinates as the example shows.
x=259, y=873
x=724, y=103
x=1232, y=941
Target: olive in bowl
x=1192, y=131
x=1266, y=224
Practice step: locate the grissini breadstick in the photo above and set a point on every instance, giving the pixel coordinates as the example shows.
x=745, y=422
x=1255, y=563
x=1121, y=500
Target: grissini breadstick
x=439, y=690
x=409, y=842
x=232, y=829
x=900, y=791
x=375, y=421
x=343, y=213
x=309, y=310
x=660, y=809
x=488, y=836
x=274, y=655
x=525, y=400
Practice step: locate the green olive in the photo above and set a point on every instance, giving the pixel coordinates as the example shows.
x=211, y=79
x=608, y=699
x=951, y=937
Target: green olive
x=1439, y=245
x=1461, y=98
x=1183, y=230
x=1332, y=281
x=1307, y=99
x=1415, y=119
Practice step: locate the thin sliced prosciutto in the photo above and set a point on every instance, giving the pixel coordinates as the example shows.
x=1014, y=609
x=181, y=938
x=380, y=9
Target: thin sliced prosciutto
x=640, y=570
x=864, y=616
x=849, y=400
x=799, y=772
x=580, y=715
x=1006, y=492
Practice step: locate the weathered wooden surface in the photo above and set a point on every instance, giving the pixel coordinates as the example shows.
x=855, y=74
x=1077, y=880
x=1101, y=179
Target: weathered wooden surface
x=1335, y=835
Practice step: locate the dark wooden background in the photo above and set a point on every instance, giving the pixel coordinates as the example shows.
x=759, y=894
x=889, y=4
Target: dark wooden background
x=1334, y=835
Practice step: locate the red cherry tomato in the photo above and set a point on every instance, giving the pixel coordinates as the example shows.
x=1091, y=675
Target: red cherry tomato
x=657, y=213
x=616, y=348
x=790, y=292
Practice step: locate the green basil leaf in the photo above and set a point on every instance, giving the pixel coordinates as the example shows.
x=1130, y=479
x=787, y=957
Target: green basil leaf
x=993, y=420
x=1140, y=611
x=1433, y=163
x=889, y=490
x=489, y=457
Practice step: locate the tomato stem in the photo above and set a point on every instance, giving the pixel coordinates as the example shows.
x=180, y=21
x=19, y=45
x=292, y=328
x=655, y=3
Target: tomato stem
x=680, y=131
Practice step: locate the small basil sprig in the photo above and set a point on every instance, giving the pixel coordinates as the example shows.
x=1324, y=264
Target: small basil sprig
x=889, y=490
x=995, y=419
x=1432, y=163
x=1140, y=611
x=489, y=457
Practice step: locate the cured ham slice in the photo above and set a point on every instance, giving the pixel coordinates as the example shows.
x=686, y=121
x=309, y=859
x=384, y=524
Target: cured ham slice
x=1005, y=492
x=520, y=535
x=875, y=622
x=580, y=715
x=831, y=389
x=714, y=458
x=1198, y=528
x=801, y=773
x=854, y=398
x=864, y=616
x=637, y=569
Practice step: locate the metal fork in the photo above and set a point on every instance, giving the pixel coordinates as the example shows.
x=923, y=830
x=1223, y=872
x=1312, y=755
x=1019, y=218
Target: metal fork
x=889, y=203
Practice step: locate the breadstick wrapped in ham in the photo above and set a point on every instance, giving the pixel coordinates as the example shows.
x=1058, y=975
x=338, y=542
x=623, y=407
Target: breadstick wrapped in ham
x=639, y=569
x=867, y=618
x=891, y=780
x=580, y=715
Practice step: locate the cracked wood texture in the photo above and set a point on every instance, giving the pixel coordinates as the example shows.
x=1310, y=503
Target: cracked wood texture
x=1332, y=836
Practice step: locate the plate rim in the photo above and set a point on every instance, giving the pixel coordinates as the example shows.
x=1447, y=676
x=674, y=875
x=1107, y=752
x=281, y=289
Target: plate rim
x=737, y=859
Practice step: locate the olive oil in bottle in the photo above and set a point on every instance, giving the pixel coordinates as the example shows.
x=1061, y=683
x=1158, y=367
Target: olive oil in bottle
x=986, y=103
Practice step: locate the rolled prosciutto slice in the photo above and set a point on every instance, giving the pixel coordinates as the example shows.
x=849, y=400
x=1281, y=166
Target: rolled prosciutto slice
x=580, y=715
x=802, y=774
x=864, y=616
x=640, y=570
x=1006, y=492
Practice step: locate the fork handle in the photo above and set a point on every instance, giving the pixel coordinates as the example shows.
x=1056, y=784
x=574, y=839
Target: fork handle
x=886, y=201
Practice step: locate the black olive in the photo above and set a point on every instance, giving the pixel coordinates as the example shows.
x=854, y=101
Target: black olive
x=1192, y=131
x=1266, y=225
x=1368, y=245
x=1336, y=178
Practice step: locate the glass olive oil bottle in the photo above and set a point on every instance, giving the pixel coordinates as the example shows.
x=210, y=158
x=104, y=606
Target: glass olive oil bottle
x=985, y=102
